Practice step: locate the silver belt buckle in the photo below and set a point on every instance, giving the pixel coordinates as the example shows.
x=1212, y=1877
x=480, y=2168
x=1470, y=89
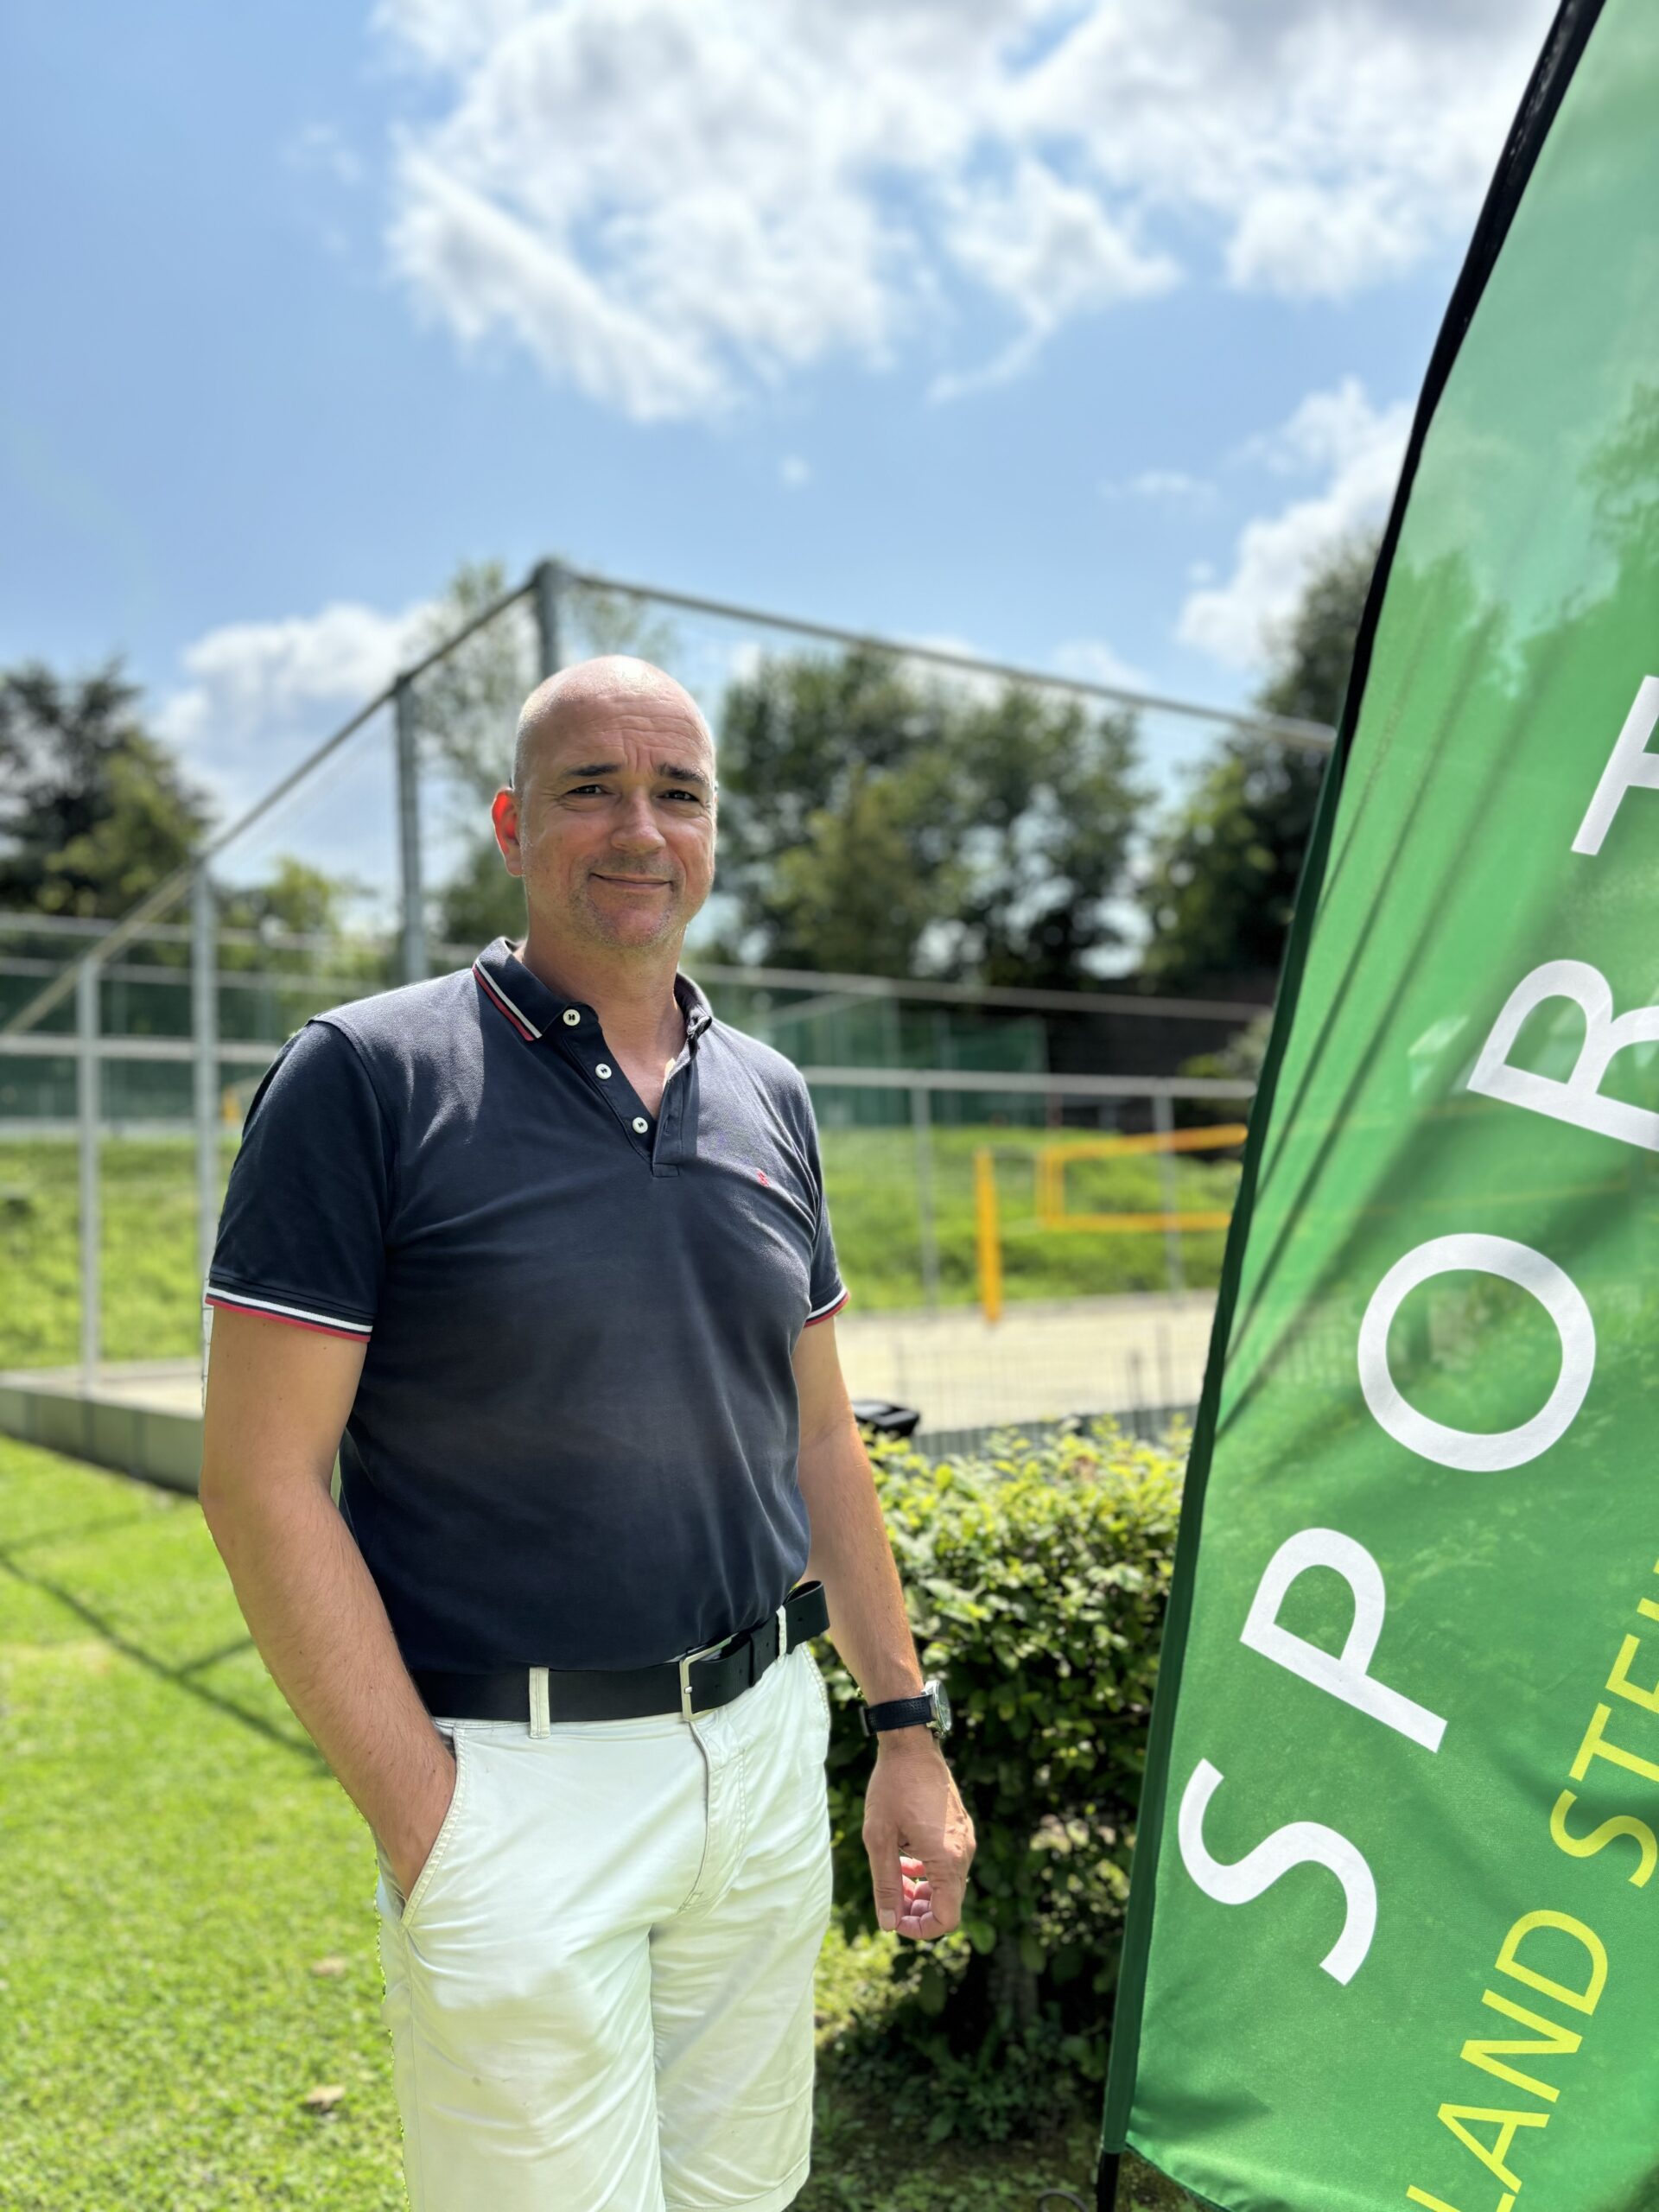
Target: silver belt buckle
x=707, y=1652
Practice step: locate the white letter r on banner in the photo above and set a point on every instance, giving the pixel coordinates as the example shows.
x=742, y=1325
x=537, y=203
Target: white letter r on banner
x=1579, y=1099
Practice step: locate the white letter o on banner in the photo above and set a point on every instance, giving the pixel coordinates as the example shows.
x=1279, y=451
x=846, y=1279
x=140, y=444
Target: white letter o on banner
x=1528, y=1270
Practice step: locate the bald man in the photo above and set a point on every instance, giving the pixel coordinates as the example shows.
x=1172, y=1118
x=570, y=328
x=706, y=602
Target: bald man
x=540, y=1249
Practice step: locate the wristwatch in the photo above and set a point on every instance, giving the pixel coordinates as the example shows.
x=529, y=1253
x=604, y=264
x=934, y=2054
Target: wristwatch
x=931, y=1709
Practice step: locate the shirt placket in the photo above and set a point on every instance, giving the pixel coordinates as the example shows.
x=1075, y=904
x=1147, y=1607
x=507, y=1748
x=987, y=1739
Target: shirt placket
x=582, y=1042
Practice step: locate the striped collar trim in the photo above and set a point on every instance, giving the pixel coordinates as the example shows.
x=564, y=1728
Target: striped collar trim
x=516, y=1014
x=523, y=997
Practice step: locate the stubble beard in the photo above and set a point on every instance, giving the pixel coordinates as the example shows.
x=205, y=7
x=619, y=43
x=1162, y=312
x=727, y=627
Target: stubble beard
x=592, y=922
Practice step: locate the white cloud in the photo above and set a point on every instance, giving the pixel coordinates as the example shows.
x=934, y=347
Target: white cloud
x=1359, y=449
x=259, y=696
x=251, y=680
x=1326, y=431
x=670, y=203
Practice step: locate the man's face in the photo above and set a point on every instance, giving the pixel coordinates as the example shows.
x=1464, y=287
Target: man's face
x=615, y=837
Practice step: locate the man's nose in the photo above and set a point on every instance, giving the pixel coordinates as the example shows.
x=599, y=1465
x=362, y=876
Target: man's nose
x=637, y=827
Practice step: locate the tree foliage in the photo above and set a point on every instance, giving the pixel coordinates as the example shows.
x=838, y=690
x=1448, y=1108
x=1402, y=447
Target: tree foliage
x=873, y=821
x=93, y=811
x=1224, y=877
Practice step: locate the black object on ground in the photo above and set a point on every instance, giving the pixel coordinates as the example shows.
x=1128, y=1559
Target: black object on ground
x=885, y=1418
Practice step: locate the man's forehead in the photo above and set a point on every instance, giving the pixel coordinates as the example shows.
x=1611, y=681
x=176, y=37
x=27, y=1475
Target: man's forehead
x=643, y=729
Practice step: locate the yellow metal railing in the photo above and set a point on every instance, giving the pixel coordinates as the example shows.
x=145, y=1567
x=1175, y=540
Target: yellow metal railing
x=1049, y=1164
x=988, y=1233
x=1053, y=1161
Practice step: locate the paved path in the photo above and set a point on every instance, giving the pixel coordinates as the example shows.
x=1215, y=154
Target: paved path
x=1098, y=1355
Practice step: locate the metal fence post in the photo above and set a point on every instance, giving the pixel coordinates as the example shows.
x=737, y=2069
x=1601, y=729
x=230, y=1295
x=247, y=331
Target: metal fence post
x=922, y=1120
x=549, y=644
x=989, y=1235
x=1163, y=1115
x=408, y=833
x=88, y=1083
x=204, y=1025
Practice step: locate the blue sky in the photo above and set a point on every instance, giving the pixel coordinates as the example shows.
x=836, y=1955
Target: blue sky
x=1067, y=332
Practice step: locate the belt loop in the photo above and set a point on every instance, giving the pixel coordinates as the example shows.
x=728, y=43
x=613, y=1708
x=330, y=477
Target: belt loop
x=538, y=1710
x=782, y=1630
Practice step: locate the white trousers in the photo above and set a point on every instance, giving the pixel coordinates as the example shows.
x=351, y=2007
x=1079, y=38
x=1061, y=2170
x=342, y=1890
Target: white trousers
x=599, y=1990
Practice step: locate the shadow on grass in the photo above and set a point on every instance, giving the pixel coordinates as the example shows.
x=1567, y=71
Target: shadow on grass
x=180, y=1677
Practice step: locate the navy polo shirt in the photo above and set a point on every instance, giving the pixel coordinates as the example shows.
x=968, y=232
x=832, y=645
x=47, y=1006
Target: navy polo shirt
x=573, y=1442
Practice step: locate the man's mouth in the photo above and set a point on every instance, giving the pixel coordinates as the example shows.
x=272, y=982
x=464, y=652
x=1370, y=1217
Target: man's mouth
x=635, y=883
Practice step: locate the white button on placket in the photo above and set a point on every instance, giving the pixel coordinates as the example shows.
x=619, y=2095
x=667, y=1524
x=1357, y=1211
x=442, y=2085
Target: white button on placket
x=602, y=1072
x=640, y=1125
x=571, y=1017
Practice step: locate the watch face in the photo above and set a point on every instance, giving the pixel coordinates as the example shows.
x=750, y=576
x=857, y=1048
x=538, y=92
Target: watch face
x=941, y=1704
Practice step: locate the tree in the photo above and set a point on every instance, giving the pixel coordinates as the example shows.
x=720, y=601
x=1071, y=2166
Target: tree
x=876, y=822
x=298, y=900
x=95, y=811
x=1224, y=874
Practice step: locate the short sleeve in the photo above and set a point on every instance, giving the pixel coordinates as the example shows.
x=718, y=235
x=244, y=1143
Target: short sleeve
x=302, y=1238
x=827, y=1294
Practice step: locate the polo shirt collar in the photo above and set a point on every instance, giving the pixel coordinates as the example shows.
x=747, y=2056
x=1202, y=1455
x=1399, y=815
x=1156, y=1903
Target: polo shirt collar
x=533, y=1009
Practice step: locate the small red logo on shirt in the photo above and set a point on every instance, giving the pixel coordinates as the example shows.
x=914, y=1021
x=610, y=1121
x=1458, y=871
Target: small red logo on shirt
x=759, y=1176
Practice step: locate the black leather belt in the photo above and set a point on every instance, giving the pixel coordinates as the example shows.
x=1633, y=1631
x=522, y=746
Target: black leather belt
x=696, y=1682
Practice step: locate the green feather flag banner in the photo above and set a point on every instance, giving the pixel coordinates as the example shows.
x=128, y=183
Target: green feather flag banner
x=1394, y=1926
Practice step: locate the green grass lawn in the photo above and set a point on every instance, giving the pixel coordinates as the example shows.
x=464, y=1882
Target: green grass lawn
x=186, y=1919
x=150, y=1304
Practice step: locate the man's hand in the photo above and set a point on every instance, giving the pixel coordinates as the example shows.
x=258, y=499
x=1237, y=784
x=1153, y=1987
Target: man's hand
x=919, y=1836
x=409, y=1852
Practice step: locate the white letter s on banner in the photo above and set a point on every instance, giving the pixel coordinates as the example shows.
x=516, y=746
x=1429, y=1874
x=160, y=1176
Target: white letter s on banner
x=1302, y=1843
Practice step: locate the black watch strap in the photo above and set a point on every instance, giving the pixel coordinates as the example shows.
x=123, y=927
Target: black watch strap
x=896, y=1712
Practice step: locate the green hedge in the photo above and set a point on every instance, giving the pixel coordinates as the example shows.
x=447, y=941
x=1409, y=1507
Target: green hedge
x=1036, y=1581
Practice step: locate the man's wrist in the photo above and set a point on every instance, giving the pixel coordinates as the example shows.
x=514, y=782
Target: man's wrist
x=907, y=1742
x=925, y=1711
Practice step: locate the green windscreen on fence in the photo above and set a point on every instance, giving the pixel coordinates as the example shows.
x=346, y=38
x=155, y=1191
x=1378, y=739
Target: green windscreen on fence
x=1395, y=1919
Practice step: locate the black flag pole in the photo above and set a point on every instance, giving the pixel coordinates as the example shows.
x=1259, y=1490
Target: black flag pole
x=1105, y=2189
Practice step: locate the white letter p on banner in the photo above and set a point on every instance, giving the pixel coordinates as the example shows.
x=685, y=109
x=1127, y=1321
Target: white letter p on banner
x=1346, y=1675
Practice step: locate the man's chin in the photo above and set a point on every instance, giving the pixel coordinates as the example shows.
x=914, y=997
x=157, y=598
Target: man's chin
x=634, y=931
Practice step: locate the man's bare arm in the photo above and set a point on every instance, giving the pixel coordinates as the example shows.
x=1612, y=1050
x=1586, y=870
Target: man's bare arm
x=278, y=1401
x=917, y=1831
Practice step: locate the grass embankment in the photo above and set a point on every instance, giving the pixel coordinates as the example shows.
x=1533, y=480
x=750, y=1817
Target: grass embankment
x=186, y=1919
x=150, y=1309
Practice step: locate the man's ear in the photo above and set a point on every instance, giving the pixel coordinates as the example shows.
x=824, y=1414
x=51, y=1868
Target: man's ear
x=504, y=816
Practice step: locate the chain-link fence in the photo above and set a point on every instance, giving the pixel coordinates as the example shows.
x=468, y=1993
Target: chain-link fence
x=128, y=1052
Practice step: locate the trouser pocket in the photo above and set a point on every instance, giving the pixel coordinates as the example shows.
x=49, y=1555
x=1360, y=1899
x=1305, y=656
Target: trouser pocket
x=404, y=1909
x=822, y=1687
